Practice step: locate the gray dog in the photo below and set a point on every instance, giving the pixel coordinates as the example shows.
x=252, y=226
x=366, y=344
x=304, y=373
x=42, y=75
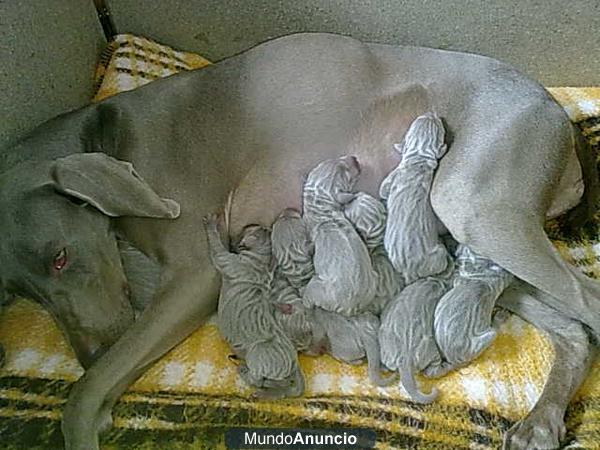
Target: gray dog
x=292, y=248
x=368, y=215
x=406, y=335
x=411, y=232
x=344, y=280
x=246, y=316
x=463, y=317
x=258, y=122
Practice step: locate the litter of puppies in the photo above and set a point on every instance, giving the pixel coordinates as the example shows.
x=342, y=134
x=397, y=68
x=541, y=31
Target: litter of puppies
x=358, y=278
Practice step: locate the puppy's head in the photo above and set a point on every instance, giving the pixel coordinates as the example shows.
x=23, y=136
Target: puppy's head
x=334, y=178
x=270, y=364
x=255, y=239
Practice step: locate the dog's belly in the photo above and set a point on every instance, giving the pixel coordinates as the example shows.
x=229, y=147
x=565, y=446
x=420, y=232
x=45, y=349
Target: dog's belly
x=277, y=184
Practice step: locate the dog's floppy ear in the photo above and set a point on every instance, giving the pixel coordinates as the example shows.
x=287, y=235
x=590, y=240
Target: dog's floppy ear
x=111, y=185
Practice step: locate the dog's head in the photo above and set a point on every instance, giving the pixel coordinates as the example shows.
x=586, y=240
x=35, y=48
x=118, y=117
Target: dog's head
x=57, y=245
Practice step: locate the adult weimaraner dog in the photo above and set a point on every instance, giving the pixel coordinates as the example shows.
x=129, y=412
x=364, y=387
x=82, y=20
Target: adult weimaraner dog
x=257, y=123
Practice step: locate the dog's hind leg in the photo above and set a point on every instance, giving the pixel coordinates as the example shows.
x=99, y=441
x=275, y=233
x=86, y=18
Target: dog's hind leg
x=543, y=427
x=494, y=189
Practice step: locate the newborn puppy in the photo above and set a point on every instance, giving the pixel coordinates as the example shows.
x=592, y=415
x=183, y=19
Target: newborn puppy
x=344, y=280
x=463, y=317
x=368, y=215
x=411, y=235
x=268, y=367
x=291, y=315
x=351, y=340
x=245, y=316
x=292, y=249
x=406, y=334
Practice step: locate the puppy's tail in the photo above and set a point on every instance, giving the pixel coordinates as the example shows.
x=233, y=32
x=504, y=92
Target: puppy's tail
x=372, y=351
x=407, y=378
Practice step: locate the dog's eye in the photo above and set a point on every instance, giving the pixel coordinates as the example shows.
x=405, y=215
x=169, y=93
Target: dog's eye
x=60, y=260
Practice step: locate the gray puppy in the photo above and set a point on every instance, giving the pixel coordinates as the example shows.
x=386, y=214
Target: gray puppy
x=296, y=320
x=351, y=340
x=411, y=235
x=463, y=317
x=368, y=215
x=406, y=334
x=344, y=280
x=293, y=249
x=245, y=315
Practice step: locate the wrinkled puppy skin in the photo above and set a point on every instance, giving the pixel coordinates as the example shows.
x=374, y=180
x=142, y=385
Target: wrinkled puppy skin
x=406, y=334
x=344, y=280
x=411, y=235
x=245, y=314
x=368, y=215
x=352, y=339
x=292, y=248
x=292, y=316
x=463, y=317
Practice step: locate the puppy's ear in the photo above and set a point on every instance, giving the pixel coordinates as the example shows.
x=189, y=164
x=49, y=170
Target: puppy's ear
x=344, y=198
x=111, y=185
x=399, y=148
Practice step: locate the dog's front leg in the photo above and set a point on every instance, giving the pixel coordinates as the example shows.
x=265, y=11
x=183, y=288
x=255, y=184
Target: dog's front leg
x=543, y=427
x=186, y=297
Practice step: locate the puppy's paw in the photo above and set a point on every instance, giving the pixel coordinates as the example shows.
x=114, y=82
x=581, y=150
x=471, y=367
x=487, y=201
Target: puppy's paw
x=541, y=431
x=211, y=220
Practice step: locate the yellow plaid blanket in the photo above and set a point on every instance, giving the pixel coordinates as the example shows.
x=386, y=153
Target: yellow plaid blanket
x=189, y=397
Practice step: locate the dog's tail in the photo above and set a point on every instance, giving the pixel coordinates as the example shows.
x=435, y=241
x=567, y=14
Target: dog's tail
x=407, y=378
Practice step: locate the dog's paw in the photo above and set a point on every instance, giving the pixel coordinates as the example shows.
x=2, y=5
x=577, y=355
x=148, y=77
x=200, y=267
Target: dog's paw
x=536, y=432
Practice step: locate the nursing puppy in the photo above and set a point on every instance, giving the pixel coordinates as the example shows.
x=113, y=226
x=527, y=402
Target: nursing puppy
x=245, y=316
x=368, y=215
x=344, y=280
x=293, y=317
x=406, y=334
x=292, y=248
x=463, y=317
x=411, y=235
x=351, y=340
